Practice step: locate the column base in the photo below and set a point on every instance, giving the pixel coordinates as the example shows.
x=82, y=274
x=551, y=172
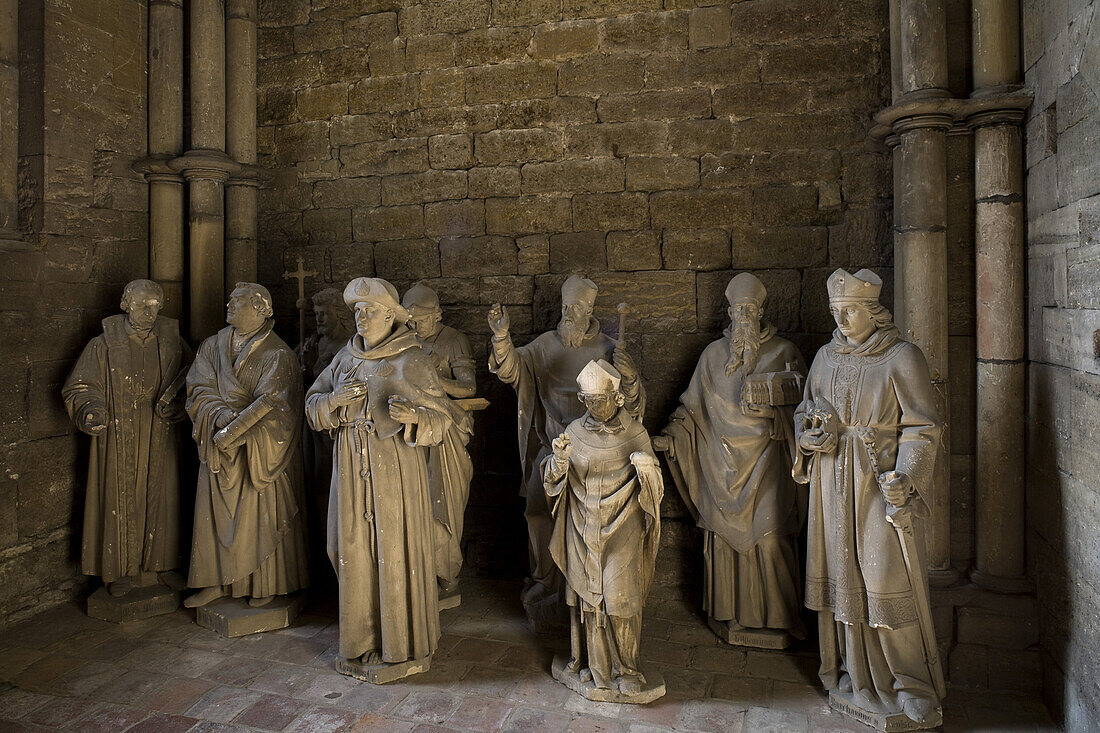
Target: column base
x=1000, y=584
x=943, y=577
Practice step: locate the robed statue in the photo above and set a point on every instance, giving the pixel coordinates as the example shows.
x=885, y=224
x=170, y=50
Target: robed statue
x=730, y=446
x=868, y=432
x=604, y=488
x=125, y=392
x=382, y=400
x=544, y=374
x=244, y=396
x=449, y=466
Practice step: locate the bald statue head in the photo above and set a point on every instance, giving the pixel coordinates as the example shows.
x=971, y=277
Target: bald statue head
x=142, y=301
x=249, y=306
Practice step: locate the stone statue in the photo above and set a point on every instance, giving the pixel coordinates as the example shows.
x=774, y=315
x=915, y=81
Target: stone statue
x=544, y=374
x=334, y=327
x=730, y=449
x=124, y=392
x=244, y=395
x=449, y=467
x=867, y=434
x=383, y=400
x=604, y=489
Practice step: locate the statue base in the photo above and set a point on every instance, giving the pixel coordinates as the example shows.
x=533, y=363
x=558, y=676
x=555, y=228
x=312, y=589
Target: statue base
x=889, y=722
x=380, y=674
x=653, y=689
x=450, y=600
x=232, y=617
x=151, y=600
x=756, y=638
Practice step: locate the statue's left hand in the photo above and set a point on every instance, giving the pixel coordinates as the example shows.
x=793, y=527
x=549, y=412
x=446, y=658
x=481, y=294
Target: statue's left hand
x=622, y=361
x=402, y=410
x=761, y=411
x=896, y=487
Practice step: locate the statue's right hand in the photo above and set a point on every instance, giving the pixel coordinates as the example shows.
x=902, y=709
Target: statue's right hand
x=562, y=450
x=95, y=422
x=498, y=320
x=349, y=392
x=817, y=440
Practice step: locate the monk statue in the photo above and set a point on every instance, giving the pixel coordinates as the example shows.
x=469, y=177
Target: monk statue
x=244, y=396
x=382, y=399
x=868, y=432
x=334, y=328
x=124, y=391
x=544, y=374
x=730, y=446
x=449, y=466
x=604, y=489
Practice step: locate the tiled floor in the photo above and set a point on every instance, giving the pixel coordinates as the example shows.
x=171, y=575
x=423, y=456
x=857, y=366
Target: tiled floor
x=65, y=671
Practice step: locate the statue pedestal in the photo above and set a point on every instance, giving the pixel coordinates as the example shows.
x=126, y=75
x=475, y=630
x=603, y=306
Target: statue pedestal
x=757, y=638
x=380, y=674
x=889, y=722
x=233, y=617
x=450, y=600
x=653, y=689
x=152, y=600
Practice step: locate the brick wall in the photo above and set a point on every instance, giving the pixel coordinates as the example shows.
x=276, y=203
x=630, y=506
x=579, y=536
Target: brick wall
x=84, y=215
x=1062, y=59
x=492, y=148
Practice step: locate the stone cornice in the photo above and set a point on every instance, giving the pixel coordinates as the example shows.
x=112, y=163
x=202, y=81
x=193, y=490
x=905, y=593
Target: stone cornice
x=203, y=164
x=984, y=107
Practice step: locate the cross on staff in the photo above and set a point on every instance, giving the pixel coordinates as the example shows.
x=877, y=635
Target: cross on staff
x=300, y=275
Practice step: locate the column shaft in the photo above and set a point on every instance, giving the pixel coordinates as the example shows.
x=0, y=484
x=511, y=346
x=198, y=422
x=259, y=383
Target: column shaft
x=921, y=47
x=207, y=257
x=240, y=195
x=9, y=119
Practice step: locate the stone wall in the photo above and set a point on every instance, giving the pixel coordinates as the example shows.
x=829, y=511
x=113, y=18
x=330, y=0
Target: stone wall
x=1062, y=62
x=490, y=149
x=83, y=215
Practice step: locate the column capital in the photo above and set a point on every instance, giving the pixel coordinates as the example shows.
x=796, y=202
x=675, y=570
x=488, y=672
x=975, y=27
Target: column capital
x=247, y=175
x=931, y=120
x=991, y=117
x=205, y=164
x=948, y=112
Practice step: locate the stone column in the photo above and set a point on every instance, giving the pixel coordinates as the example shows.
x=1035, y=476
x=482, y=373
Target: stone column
x=241, y=189
x=1001, y=316
x=206, y=168
x=9, y=120
x=919, y=70
x=166, y=250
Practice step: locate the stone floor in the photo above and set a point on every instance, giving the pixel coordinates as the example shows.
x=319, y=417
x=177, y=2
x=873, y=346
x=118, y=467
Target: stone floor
x=64, y=671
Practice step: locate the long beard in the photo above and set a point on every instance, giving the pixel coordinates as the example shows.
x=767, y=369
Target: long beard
x=744, y=348
x=572, y=332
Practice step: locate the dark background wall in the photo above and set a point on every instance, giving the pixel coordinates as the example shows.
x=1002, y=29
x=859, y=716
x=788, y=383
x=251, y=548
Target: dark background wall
x=1062, y=59
x=490, y=149
x=84, y=219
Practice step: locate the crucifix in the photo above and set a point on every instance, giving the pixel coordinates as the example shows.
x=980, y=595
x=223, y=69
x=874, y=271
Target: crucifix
x=300, y=275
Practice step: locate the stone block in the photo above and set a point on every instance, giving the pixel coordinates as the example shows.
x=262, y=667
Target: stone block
x=606, y=8
x=644, y=32
x=442, y=88
x=451, y=151
x=604, y=74
x=430, y=52
x=273, y=42
x=385, y=156
x=534, y=254
x=475, y=256
x=153, y=600
x=318, y=36
x=709, y=27
x=555, y=111
x=629, y=251
x=661, y=173
x=275, y=106
x=695, y=249
x=671, y=104
x=442, y=120
x=383, y=94
x=447, y=16
x=361, y=31
x=291, y=72
x=47, y=471
x=344, y=65
x=347, y=193
x=387, y=57
x=506, y=289
x=350, y=260
x=575, y=176
x=616, y=139
x=560, y=41
x=327, y=226
x=660, y=302
x=302, y=141
x=755, y=97
x=696, y=138
x=738, y=63
x=387, y=222
x=233, y=617
x=528, y=214
x=606, y=211
x=673, y=360
x=494, y=181
x=702, y=208
x=889, y=722
x=578, y=252
x=323, y=102
x=453, y=218
x=999, y=631
x=525, y=12
x=787, y=205
x=431, y=185
x=758, y=247
x=492, y=45
x=517, y=146
x=506, y=82
x=406, y=259
x=350, y=130
x=347, y=9
x=380, y=674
